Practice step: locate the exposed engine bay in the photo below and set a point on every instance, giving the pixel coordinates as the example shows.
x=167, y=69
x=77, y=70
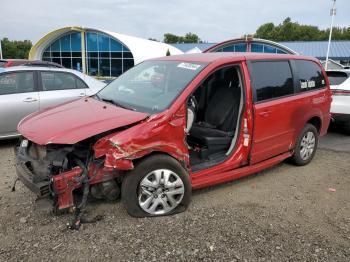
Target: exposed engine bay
x=57, y=171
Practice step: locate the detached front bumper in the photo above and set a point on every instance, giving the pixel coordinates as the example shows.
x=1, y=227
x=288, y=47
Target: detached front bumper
x=41, y=189
x=26, y=176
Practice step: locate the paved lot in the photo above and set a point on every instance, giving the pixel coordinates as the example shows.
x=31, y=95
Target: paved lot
x=286, y=213
x=336, y=141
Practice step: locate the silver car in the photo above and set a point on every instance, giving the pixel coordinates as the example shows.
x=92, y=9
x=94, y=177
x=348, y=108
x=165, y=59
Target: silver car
x=24, y=90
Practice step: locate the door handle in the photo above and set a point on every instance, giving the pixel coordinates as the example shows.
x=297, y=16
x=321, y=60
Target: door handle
x=264, y=113
x=30, y=99
x=82, y=94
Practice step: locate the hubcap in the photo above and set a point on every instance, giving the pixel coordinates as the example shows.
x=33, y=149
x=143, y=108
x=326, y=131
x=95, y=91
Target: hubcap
x=160, y=191
x=307, y=145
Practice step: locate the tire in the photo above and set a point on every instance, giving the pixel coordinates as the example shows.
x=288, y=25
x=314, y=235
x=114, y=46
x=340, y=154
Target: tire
x=306, y=145
x=156, y=199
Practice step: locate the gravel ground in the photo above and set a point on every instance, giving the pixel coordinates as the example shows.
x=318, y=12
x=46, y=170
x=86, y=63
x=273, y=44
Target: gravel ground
x=286, y=213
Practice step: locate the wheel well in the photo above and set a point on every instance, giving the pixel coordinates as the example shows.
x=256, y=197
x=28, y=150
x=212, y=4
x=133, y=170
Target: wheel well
x=316, y=122
x=137, y=160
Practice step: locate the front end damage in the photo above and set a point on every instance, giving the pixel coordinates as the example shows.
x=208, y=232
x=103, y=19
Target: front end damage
x=97, y=165
x=56, y=171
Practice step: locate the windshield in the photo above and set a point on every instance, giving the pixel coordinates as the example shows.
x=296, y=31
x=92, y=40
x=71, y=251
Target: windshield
x=150, y=86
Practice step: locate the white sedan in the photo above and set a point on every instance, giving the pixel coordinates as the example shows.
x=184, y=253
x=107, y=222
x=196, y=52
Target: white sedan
x=340, y=86
x=24, y=90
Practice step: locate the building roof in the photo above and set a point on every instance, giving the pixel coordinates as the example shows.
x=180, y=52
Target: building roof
x=140, y=48
x=340, y=50
x=187, y=47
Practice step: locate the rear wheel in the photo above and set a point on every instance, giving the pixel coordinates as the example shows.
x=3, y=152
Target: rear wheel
x=157, y=186
x=306, y=145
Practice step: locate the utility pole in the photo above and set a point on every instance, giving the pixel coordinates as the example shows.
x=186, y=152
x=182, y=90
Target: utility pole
x=333, y=12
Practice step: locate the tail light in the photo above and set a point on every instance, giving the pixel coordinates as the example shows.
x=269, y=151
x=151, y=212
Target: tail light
x=340, y=92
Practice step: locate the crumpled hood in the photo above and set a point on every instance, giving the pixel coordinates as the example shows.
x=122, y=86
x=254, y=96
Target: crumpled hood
x=74, y=121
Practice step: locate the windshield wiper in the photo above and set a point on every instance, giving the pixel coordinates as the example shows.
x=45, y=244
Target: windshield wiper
x=123, y=106
x=111, y=101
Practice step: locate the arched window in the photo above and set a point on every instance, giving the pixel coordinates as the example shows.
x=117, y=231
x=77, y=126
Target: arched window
x=239, y=47
x=65, y=51
x=264, y=48
x=105, y=56
x=254, y=47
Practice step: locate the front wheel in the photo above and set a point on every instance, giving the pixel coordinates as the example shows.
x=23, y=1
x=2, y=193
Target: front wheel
x=157, y=186
x=306, y=145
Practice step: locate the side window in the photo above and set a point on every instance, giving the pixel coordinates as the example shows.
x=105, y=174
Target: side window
x=271, y=79
x=19, y=82
x=80, y=83
x=57, y=81
x=310, y=75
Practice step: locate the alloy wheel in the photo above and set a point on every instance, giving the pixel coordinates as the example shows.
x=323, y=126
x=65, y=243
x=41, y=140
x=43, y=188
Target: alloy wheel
x=160, y=191
x=307, y=145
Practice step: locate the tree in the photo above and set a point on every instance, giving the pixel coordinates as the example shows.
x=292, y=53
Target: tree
x=15, y=49
x=171, y=38
x=293, y=31
x=168, y=52
x=265, y=31
x=191, y=38
x=175, y=39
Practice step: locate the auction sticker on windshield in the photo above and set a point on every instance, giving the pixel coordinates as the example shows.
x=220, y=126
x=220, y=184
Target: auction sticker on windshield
x=189, y=66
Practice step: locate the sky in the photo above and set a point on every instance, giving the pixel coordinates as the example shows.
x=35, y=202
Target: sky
x=213, y=21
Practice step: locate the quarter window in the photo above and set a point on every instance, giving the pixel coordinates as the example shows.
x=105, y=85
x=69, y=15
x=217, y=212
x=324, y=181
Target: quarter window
x=271, y=79
x=19, y=82
x=60, y=81
x=310, y=75
x=80, y=83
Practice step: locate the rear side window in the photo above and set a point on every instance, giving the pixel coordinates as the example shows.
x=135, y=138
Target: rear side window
x=14, y=83
x=60, y=81
x=80, y=83
x=336, y=78
x=271, y=79
x=310, y=75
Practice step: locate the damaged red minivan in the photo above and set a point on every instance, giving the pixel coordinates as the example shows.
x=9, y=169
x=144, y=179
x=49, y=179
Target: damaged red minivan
x=174, y=124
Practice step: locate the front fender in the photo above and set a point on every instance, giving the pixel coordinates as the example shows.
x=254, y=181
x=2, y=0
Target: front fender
x=163, y=133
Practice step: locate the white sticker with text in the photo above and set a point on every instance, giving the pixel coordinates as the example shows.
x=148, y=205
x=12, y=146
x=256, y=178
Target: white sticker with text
x=311, y=84
x=189, y=66
x=303, y=85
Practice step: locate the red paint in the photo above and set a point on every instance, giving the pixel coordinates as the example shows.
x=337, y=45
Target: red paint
x=272, y=127
x=74, y=121
x=214, y=179
x=66, y=182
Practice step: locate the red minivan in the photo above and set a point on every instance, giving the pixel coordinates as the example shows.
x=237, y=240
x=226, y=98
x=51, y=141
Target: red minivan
x=173, y=124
